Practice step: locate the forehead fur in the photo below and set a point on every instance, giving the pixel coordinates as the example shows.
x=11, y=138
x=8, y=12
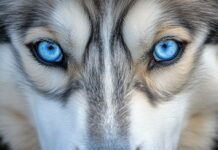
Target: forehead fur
x=25, y=12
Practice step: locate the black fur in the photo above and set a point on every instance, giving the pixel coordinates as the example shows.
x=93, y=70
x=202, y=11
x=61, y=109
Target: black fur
x=3, y=146
x=213, y=34
x=3, y=35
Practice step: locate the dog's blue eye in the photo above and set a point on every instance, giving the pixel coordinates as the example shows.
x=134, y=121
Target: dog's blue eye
x=49, y=52
x=166, y=50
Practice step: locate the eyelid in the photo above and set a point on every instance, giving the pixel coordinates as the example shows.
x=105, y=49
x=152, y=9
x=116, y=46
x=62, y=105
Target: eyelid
x=170, y=38
x=43, y=39
x=37, y=33
x=177, y=33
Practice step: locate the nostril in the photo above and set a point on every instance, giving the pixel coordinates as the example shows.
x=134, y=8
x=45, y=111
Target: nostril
x=139, y=148
x=76, y=148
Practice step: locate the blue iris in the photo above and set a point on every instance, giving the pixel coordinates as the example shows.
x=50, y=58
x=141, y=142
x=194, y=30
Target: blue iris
x=49, y=52
x=166, y=50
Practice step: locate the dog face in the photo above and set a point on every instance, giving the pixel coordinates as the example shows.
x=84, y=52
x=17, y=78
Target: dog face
x=107, y=74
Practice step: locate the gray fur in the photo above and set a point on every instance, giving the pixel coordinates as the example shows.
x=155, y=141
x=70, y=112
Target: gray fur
x=20, y=15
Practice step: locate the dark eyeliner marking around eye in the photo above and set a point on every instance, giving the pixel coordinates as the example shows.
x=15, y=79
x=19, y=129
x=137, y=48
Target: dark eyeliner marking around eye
x=48, y=52
x=174, y=56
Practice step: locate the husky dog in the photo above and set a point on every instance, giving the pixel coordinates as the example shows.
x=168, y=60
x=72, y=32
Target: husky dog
x=109, y=74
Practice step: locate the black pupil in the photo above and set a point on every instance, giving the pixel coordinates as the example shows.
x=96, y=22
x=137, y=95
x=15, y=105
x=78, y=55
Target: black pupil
x=50, y=47
x=165, y=46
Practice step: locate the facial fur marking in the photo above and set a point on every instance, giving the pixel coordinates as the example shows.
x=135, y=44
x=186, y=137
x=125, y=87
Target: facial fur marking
x=141, y=87
x=52, y=93
x=213, y=34
x=108, y=81
x=105, y=98
x=107, y=104
x=3, y=35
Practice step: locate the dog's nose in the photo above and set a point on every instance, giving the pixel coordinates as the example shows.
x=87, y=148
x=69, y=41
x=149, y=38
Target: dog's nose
x=138, y=148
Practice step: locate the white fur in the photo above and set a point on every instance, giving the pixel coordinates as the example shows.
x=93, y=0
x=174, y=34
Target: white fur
x=16, y=123
x=58, y=126
x=201, y=124
x=73, y=26
x=156, y=128
x=139, y=31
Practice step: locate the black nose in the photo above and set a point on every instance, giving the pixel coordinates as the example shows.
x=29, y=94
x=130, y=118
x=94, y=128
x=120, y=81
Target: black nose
x=139, y=148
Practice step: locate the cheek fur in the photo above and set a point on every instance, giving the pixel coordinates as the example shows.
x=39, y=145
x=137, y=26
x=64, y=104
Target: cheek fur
x=59, y=126
x=162, y=123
